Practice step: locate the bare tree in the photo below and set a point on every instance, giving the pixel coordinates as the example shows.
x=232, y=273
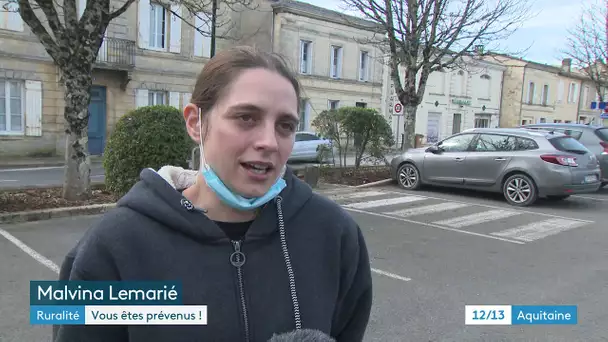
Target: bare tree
x=424, y=36
x=73, y=43
x=587, y=45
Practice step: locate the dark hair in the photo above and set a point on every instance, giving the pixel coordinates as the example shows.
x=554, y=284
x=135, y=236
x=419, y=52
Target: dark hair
x=219, y=73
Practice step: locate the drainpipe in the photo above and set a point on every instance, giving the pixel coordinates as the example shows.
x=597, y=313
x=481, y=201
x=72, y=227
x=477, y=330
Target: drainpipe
x=521, y=99
x=580, y=98
x=500, y=96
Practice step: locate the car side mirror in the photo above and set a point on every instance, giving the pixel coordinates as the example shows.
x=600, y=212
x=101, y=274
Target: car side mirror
x=434, y=149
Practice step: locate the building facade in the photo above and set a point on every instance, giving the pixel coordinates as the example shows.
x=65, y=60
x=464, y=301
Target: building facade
x=454, y=100
x=586, y=114
x=539, y=93
x=328, y=50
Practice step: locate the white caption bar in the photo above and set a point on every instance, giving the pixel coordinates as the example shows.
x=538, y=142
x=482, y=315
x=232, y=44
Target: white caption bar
x=146, y=315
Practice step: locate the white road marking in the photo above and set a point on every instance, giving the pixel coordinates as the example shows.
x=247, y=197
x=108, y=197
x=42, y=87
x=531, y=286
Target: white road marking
x=535, y=213
x=37, y=256
x=539, y=230
x=477, y=218
x=352, y=195
x=8, y=180
x=32, y=169
x=434, y=226
x=391, y=275
x=427, y=209
x=590, y=198
x=384, y=202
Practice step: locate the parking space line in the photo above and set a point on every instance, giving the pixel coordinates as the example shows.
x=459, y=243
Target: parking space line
x=384, y=202
x=539, y=230
x=431, y=225
x=37, y=256
x=477, y=218
x=353, y=195
x=427, y=209
x=391, y=275
x=590, y=198
x=496, y=207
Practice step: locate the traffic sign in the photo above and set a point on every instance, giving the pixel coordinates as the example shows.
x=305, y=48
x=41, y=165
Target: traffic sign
x=398, y=107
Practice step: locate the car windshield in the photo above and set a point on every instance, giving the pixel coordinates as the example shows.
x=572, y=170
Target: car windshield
x=568, y=144
x=602, y=133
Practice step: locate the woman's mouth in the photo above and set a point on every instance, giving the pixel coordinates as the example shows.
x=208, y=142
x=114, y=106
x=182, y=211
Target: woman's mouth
x=258, y=168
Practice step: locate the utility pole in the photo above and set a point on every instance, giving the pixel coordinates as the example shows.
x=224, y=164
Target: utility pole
x=213, y=24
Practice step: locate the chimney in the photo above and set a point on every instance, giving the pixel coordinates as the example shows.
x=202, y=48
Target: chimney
x=567, y=64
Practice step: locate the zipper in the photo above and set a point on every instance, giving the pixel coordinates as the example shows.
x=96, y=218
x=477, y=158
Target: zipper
x=237, y=259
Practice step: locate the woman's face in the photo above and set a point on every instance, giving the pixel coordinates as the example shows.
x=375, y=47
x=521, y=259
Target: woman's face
x=250, y=131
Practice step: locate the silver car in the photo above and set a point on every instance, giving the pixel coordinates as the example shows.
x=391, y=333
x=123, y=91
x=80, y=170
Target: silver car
x=522, y=164
x=594, y=138
x=306, y=148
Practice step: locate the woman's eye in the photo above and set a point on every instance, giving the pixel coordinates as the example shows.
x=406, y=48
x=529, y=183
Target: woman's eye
x=288, y=127
x=246, y=117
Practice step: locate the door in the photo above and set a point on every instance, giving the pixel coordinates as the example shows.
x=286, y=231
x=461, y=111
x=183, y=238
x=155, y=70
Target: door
x=490, y=155
x=456, y=123
x=448, y=165
x=97, y=120
x=432, y=128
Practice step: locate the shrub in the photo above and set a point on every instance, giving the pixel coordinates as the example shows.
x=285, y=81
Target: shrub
x=151, y=136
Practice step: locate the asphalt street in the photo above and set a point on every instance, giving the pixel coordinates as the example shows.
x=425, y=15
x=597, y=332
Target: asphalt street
x=432, y=251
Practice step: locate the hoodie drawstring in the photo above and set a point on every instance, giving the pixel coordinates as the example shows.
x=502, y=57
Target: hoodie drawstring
x=292, y=279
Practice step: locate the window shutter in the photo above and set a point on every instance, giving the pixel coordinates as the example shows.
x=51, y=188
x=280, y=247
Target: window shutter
x=560, y=91
x=186, y=99
x=302, y=61
x=82, y=5
x=340, y=56
x=143, y=38
x=141, y=98
x=174, y=99
x=332, y=56
x=15, y=22
x=176, y=29
x=33, y=108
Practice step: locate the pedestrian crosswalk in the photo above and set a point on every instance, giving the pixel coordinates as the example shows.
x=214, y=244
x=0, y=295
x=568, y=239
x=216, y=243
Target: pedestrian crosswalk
x=507, y=224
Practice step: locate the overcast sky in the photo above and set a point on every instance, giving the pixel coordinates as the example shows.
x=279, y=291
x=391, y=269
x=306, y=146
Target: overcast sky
x=544, y=36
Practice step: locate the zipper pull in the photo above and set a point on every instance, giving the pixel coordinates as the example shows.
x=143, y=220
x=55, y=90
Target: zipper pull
x=237, y=258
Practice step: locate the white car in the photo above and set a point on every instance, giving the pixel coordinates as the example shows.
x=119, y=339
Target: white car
x=306, y=148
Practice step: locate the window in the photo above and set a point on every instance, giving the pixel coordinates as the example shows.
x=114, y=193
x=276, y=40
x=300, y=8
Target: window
x=305, y=57
x=486, y=87
x=336, y=62
x=9, y=17
x=459, y=143
x=482, y=121
x=158, y=26
x=361, y=104
x=523, y=144
x=545, y=95
x=11, y=106
x=333, y=104
x=304, y=114
x=572, y=93
x=568, y=144
x=364, y=66
x=306, y=137
x=602, y=133
x=531, y=93
x=456, y=123
x=494, y=143
x=156, y=98
x=459, y=84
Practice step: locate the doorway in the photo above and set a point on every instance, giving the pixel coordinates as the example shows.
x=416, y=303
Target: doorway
x=457, y=123
x=97, y=120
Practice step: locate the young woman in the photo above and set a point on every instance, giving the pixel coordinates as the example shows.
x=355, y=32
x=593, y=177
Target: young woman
x=247, y=239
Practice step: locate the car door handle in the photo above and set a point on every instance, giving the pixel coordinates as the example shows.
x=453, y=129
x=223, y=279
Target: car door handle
x=458, y=159
x=500, y=159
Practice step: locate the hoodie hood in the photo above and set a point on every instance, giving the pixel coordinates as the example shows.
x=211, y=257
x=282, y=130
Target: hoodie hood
x=158, y=196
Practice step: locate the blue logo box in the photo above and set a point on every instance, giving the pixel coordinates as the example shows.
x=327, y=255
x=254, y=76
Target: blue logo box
x=544, y=314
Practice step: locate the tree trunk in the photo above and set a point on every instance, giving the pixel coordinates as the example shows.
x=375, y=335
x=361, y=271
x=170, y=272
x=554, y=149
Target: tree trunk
x=409, y=126
x=77, y=181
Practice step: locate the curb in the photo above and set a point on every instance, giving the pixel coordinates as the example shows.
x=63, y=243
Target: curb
x=31, y=165
x=378, y=183
x=46, y=214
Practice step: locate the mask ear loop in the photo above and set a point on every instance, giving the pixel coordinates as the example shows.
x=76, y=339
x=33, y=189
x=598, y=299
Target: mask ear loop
x=200, y=143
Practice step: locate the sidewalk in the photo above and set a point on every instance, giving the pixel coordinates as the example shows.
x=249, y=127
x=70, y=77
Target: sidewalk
x=27, y=162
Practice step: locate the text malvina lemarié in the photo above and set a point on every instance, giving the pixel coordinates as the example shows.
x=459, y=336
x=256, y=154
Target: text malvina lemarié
x=110, y=293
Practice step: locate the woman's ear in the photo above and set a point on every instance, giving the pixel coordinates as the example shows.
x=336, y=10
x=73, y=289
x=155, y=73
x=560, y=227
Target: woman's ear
x=191, y=116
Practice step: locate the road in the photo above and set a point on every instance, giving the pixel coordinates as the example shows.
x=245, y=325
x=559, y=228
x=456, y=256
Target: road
x=432, y=251
x=53, y=175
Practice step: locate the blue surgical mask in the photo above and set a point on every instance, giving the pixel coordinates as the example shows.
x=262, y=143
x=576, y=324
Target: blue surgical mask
x=230, y=198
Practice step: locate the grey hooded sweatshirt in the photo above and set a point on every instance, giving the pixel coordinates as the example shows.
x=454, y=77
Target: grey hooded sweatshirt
x=306, y=266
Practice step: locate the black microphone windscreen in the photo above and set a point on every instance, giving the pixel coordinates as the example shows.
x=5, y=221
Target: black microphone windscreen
x=302, y=335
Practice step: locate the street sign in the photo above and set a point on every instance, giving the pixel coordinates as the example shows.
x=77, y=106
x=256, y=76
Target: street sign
x=398, y=107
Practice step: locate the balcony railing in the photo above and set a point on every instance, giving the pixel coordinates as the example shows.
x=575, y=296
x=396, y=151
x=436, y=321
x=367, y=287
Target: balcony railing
x=116, y=53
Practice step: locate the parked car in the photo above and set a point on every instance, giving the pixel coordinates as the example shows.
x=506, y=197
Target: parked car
x=307, y=146
x=522, y=164
x=595, y=139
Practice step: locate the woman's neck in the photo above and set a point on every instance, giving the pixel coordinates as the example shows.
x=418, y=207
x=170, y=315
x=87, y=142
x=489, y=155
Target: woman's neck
x=203, y=197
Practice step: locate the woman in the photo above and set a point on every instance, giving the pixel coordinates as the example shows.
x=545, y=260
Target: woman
x=247, y=239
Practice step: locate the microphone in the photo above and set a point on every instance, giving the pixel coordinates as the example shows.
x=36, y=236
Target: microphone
x=302, y=335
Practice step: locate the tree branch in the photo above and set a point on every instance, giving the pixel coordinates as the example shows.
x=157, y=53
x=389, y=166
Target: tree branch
x=29, y=17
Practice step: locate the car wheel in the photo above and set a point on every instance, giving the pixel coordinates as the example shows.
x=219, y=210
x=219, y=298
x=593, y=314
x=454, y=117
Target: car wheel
x=520, y=190
x=408, y=177
x=557, y=197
